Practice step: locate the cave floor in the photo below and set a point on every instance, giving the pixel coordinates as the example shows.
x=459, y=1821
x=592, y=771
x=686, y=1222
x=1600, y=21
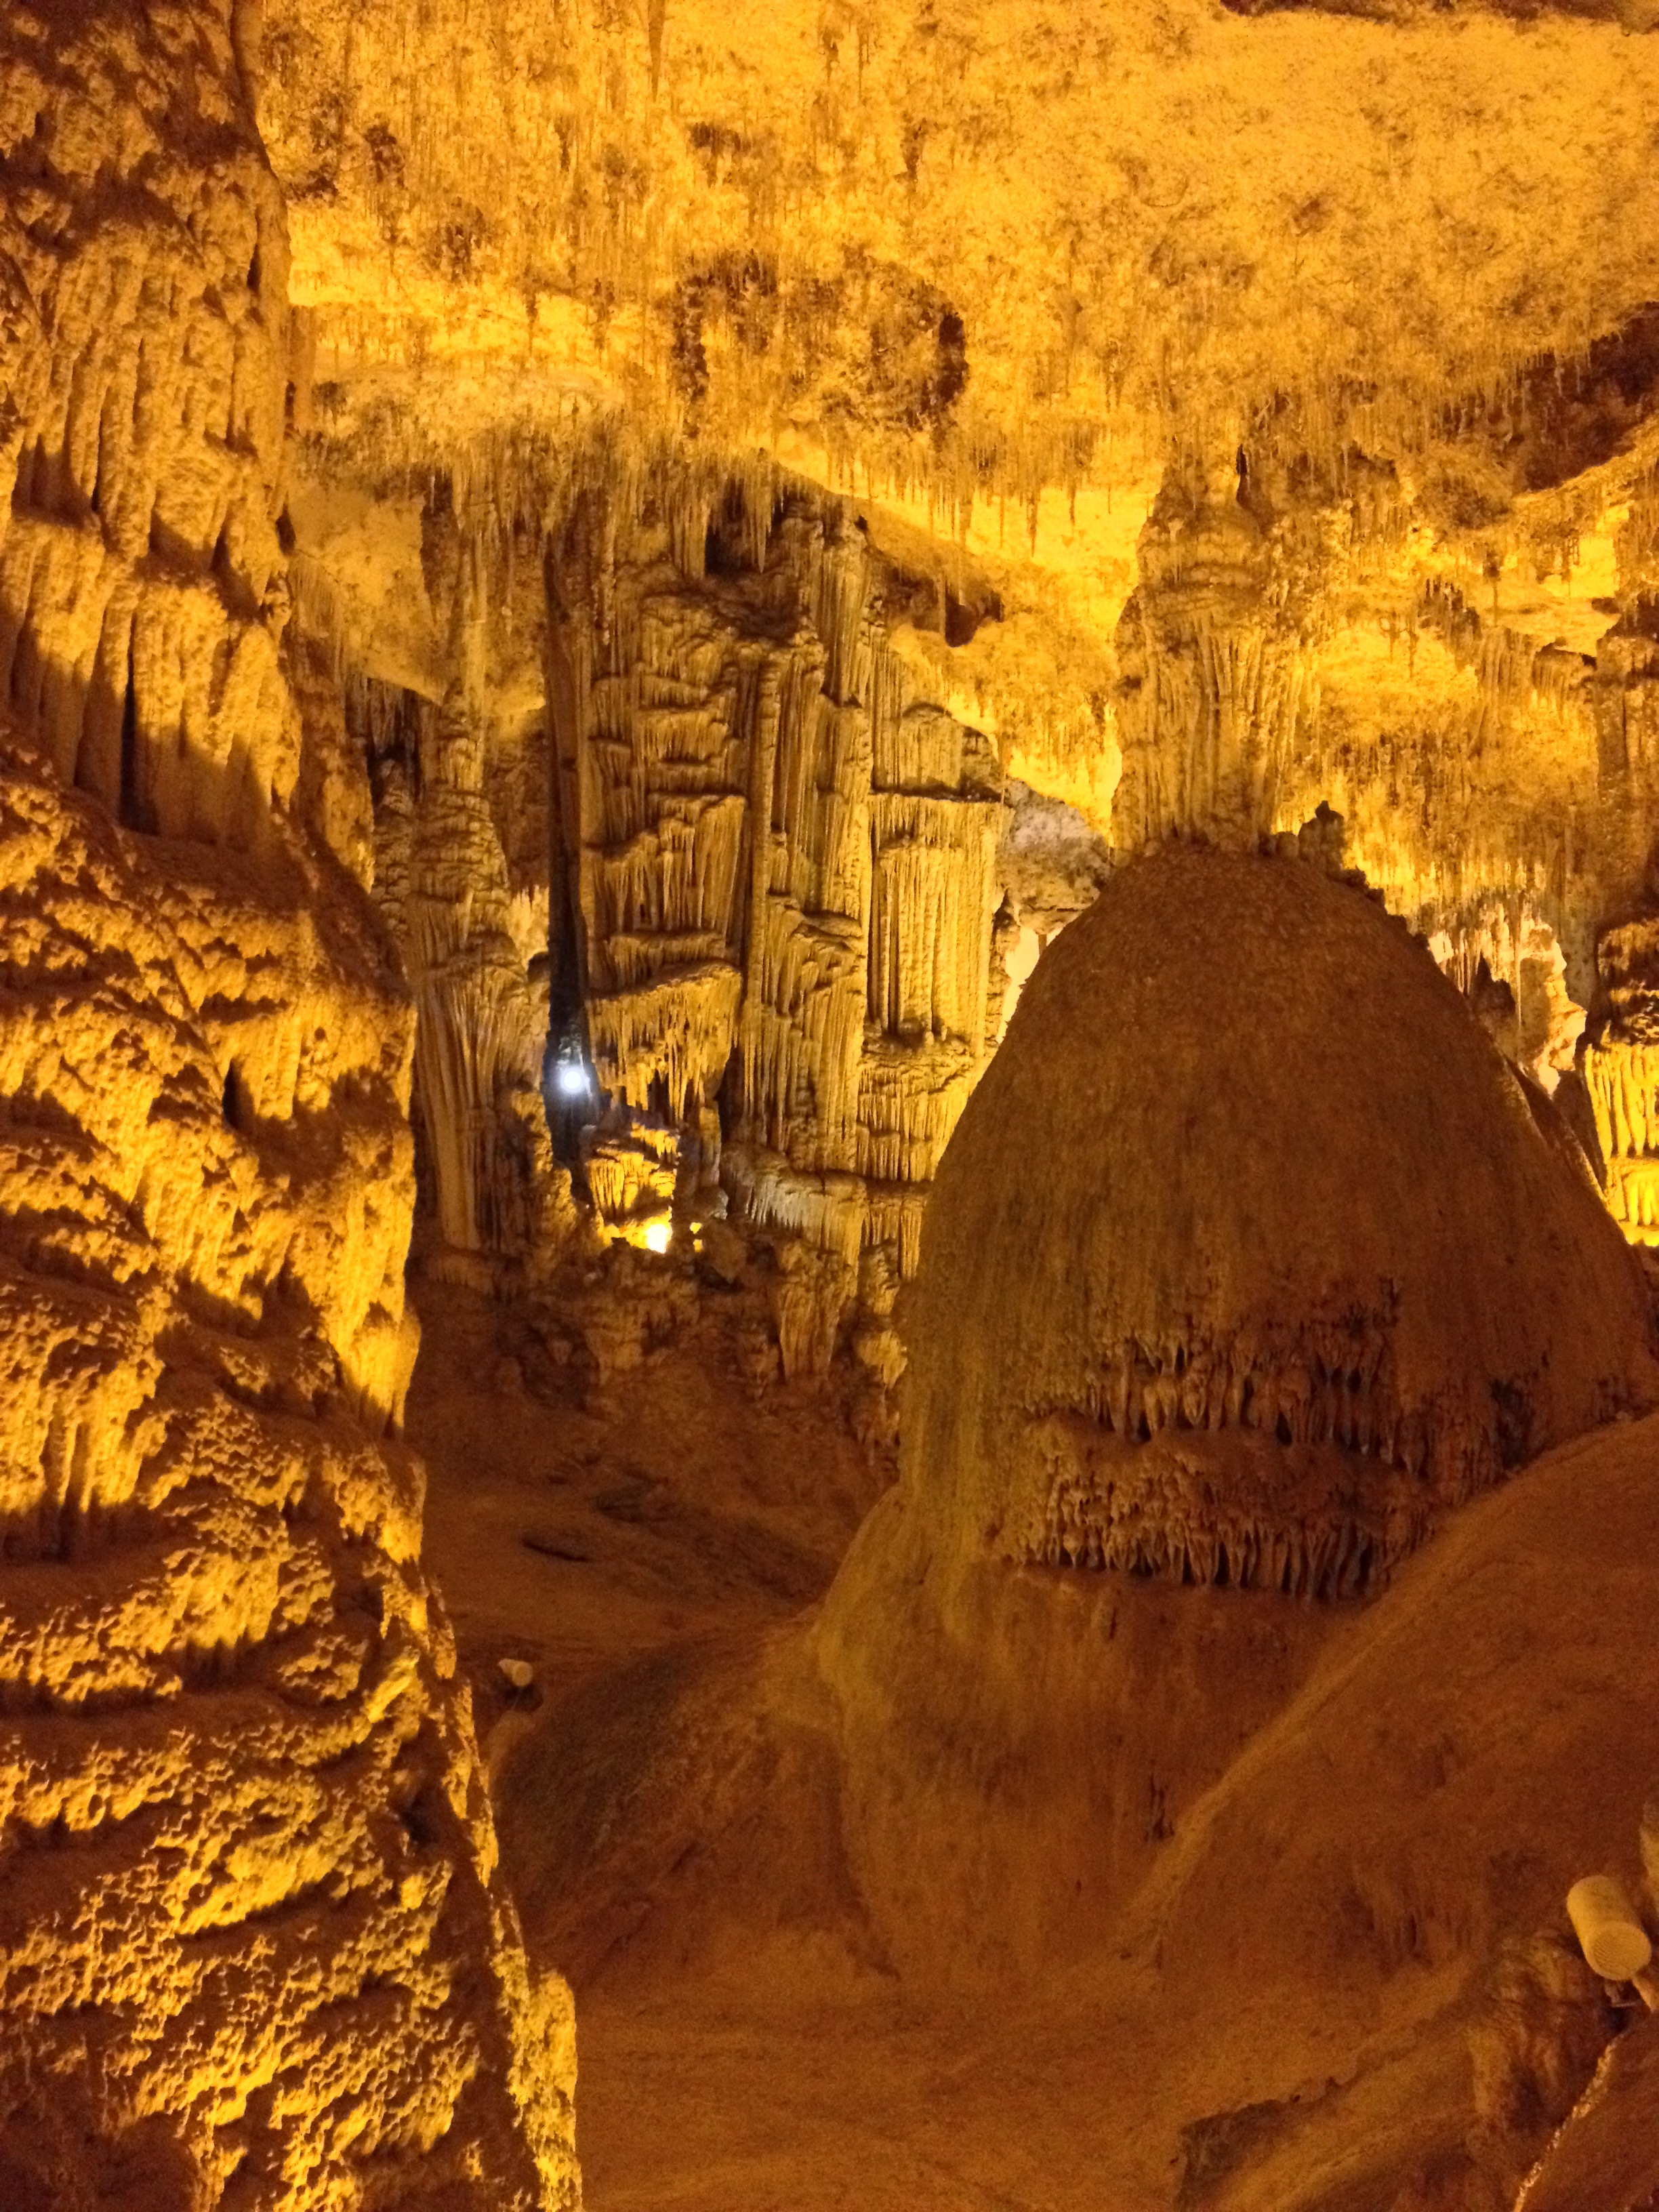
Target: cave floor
x=580, y=1529
x=704, y=2101
x=584, y=1533
x=673, y=1512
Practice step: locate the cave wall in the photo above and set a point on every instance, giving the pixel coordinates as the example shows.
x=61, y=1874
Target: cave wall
x=780, y=858
x=691, y=768
x=663, y=653
x=253, y=1947
x=668, y=810
x=641, y=658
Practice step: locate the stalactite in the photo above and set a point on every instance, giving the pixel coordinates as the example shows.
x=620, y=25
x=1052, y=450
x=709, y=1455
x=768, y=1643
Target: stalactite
x=910, y=1099
x=631, y=1173
x=1621, y=1072
x=933, y=896
x=676, y=1031
x=1212, y=675
x=748, y=790
x=479, y=1042
x=829, y=1208
x=1512, y=668
x=749, y=812
x=140, y=532
x=1321, y=1523
x=1318, y=1533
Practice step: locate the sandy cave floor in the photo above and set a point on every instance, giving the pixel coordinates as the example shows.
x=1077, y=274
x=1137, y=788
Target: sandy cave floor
x=581, y=1530
x=584, y=1535
x=674, y=1512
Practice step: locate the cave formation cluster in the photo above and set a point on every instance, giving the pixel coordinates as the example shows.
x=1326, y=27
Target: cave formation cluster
x=585, y=593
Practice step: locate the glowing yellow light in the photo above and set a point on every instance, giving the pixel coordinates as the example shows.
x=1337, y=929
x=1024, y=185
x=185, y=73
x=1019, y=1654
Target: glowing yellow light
x=657, y=1234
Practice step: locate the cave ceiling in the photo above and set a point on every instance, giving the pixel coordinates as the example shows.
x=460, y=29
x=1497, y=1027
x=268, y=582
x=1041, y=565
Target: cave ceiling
x=1056, y=297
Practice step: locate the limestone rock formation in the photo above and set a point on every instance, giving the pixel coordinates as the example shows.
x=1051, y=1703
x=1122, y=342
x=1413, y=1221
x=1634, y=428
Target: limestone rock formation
x=481, y=1033
x=1330, y=489
x=588, y=596
x=673, y=829
x=146, y=266
x=1240, y=1336
x=1211, y=669
x=1621, y=1075
x=253, y=1947
x=253, y=1951
x=1605, y=2153
x=1221, y=1898
x=1297, y=1266
x=781, y=867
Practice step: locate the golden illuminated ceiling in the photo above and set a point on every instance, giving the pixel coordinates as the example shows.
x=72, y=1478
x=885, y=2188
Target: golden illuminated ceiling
x=999, y=273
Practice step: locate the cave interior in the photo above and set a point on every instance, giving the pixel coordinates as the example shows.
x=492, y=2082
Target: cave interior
x=830, y=1105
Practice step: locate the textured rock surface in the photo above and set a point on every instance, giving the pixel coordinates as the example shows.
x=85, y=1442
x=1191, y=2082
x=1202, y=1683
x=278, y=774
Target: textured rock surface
x=1291, y=1265
x=1335, y=486
x=252, y=1950
x=146, y=259
x=1093, y=1889
x=961, y=251
x=1608, y=2152
x=1211, y=1322
x=781, y=862
x=667, y=799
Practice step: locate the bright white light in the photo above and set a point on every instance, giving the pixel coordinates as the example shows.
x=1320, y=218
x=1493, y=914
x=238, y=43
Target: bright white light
x=572, y=1080
x=657, y=1234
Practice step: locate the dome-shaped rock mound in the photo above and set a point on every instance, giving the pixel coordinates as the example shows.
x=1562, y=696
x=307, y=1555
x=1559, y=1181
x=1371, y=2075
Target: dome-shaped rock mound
x=1251, y=1257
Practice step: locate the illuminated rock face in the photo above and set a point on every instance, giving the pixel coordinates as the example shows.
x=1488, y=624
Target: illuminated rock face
x=779, y=857
x=253, y=1951
x=146, y=265
x=1211, y=669
x=1621, y=1073
x=481, y=1033
x=679, y=819
x=1281, y=1265
x=711, y=787
x=1336, y=487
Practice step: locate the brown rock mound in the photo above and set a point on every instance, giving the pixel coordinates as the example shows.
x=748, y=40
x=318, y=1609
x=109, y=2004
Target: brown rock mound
x=1252, y=1258
x=1249, y=1261
x=1217, y=1899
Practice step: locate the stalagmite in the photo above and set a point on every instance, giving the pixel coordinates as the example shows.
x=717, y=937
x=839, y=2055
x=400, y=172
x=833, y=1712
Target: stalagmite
x=1250, y=1264
x=1606, y=1925
x=1264, y=1382
x=442, y=881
